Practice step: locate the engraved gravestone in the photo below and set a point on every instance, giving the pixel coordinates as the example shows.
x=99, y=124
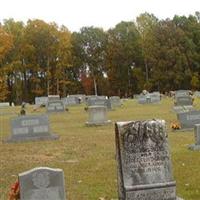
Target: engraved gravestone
x=183, y=101
x=143, y=159
x=55, y=106
x=97, y=115
x=30, y=127
x=42, y=183
x=189, y=119
x=4, y=104
x=196, y=146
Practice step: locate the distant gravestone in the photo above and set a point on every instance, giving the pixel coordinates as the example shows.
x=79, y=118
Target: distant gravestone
x=144, y=164
x=70, y=101
x=30, y=127
x=55, y=106
x=182, y=93
x=53, y=97
x=115, y=101
x=97, y=115
x=4, y=104
x=183, y=101
x=181, y=109
x=197, y=94
x=42, y=184
x=41, y=101
x=189, y=119
x=196, y=146
x=149, y=98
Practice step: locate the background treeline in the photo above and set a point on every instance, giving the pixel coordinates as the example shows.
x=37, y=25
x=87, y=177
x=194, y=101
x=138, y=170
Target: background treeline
x=39, y=58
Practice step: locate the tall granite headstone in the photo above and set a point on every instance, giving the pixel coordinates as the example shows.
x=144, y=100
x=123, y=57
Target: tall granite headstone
x=196, y=146
x=143, y=159
x=42, y=183
x=30, y=127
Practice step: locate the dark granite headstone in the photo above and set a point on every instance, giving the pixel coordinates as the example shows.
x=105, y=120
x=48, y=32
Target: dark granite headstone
x=144, y=164
x=189, y=119
x=42, y=183
x=30, y=127
x=196, y=146
x=55, y=106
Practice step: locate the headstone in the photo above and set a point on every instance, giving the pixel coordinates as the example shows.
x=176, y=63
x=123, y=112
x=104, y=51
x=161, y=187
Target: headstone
x=70, y=101
x=197, y=94
x=97, y=115
x=149, y=98
x=189, y=119
x=196, y=146
x=182, y=93
x=42, y=183
x=41, y=101
x=180, y=109
x=144, y=164
x=115, y=101
x=55, y=106
x=183, y=101
x=4, y=104
x=30, y=127
x=53, y=97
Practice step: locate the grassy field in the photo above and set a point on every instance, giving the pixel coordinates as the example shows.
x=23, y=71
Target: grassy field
x=87, y=154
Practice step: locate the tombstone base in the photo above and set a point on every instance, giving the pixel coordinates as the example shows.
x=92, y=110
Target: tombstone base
x=32, y=138
x=194, y=147
x=98, y=123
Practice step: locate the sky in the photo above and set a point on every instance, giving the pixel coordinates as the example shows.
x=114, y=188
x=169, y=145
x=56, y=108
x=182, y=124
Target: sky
x=75, y=14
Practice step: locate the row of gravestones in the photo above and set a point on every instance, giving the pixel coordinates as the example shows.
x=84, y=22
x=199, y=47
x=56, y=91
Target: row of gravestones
x=55, y=104
x=143, y=163
x=36, y=127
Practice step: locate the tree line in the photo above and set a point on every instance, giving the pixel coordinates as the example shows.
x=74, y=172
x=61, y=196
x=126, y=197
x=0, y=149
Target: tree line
x=39, y=58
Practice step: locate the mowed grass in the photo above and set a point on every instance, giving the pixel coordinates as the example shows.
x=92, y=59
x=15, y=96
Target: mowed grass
x=87, y=154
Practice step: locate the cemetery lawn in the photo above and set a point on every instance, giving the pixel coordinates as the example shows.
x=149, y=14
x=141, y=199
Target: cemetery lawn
x=87, y=154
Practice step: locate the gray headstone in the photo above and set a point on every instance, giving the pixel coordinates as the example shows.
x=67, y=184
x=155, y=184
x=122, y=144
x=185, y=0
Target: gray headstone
x=181, y=109
x=97, y=115
x=189, y=119
x=39, y=101
x=30, y=127
x=42, y=184
x=144, y=164
x=53, y=97
x=4, y=104
x=55, y=106
x=183, y=101
x=115, y=101
x=71, y=100
x=196, y=146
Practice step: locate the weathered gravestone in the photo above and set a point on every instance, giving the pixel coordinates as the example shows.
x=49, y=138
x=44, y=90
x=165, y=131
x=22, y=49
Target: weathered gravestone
x=196, y=146
x=42, y=183
x=189, y=119
x=55, y=106
x=41, y=101
x=144, y=164
x=30, y=127
x=182, y=93
x=97, y=115
x=70, y=101
x=100, y=102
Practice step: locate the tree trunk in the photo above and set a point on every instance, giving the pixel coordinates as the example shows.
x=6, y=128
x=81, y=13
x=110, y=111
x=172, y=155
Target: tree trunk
x=95, y=86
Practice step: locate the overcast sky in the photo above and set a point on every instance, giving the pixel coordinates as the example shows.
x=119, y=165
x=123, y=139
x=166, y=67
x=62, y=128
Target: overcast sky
x=75, y=14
